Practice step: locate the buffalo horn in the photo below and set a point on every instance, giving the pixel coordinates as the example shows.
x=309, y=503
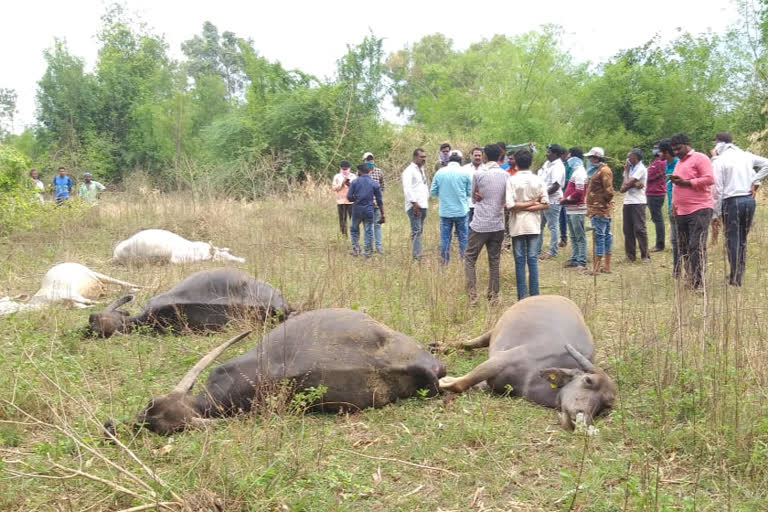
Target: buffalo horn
x=585, y=364
x=189, y=379
x=119, y=302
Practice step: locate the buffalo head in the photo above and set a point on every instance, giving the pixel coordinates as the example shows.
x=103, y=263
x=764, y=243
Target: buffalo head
x=584, y=393
x=177, y=410
x=110, y=320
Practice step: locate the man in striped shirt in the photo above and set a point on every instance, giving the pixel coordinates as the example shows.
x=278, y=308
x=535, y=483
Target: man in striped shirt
x=489, y=188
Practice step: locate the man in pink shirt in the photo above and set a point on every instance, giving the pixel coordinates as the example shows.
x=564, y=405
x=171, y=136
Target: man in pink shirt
x=692, y=205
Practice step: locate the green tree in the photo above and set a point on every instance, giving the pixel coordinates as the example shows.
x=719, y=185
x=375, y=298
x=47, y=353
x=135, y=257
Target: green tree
x=8, y=99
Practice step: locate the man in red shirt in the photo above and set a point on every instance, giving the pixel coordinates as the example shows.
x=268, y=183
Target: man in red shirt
x=656, y=192
x=692, y=205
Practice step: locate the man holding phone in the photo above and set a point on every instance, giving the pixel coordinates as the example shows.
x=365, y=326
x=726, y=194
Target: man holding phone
x=340, y=185
x=692, y=205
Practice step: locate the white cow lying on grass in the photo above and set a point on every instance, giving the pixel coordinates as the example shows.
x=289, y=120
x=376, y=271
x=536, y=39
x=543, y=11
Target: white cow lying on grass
x=65, y=282
x=161, y=246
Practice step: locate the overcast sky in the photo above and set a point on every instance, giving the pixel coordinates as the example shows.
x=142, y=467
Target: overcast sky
x=311, y=35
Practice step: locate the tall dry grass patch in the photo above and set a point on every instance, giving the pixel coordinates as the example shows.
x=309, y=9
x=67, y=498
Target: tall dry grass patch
x=689, y=431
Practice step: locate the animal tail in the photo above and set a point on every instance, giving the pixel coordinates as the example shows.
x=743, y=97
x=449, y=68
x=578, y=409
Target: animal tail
x=106, y=279
x=481, y=341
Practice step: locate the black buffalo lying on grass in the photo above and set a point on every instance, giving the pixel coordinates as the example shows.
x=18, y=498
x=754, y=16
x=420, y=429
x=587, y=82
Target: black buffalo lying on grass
x=205, y=301
x=358, y=361
x=541, y=349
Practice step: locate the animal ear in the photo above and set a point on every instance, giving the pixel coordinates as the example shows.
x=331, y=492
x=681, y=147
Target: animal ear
x=559, y=377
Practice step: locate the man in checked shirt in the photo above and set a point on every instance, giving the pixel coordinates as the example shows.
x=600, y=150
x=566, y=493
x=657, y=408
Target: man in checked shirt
x=378, y=176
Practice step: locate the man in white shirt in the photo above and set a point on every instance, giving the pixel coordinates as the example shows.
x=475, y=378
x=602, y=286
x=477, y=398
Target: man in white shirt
x=416, y=192
x=553, y=174
x=733, y=192
x=475, y=165
x=340, y=186
x=526, y=196
x=635, y=179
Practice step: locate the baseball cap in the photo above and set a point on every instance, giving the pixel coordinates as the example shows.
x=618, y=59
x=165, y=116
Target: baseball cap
x=367, y=154
x=596, y=151
x=86, y=175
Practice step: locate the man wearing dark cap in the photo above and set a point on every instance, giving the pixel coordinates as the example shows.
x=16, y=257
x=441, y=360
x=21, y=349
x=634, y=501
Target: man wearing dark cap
x=377, y=175
x=340, y=185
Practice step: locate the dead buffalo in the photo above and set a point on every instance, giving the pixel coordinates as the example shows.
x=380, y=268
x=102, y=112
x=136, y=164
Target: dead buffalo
x=206, y=300
x=360, y=362
x=541, y=349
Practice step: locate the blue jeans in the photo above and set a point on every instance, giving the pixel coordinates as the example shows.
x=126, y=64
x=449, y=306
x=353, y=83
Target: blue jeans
x=551, y=217
x=417, y=227
x=578, y=239
x=377, y=228
x=354, y=232
x=563, y=225
x=737, y=219
x=603, y=235
x=526, y=250
x=446, y=233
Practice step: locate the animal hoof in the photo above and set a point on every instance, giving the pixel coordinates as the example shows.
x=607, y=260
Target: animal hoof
x=448, y=384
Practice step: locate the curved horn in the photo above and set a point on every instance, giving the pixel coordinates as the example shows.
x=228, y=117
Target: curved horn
x=119, y=302
x=189, y=379
x=585, y=364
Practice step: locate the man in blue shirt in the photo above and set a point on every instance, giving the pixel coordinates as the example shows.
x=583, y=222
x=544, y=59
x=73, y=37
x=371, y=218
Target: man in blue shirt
x=667, y=153
x=62, y=185
x=452, y=187
x=363, y=191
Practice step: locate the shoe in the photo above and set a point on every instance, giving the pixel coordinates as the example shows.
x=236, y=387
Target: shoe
x=657, y=249
x=380, y=251
x=571, y=264
x=580, y=268
x=562, y=243
x=646, y=261
x=545, y=256
x=354, y=252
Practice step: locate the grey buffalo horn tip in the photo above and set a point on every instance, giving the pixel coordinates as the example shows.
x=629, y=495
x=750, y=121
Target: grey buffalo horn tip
x=585, y=364
x=119, y=302
x=189, y=379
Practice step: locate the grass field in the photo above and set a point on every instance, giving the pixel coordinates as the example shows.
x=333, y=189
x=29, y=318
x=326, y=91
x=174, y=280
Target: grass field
x=689, y=430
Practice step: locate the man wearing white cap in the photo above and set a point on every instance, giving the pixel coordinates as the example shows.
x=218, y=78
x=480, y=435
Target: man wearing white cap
x=89, y=189
x=599, y=208
x=378, y=176
x=452, y=187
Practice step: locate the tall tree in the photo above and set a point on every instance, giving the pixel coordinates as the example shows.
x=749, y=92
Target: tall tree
x=211, y=54
x=8, y=99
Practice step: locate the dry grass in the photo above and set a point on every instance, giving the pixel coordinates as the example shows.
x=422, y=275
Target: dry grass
x=690, y=431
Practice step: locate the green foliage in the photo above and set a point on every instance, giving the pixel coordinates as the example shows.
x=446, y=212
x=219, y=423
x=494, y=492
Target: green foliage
x=225, y=103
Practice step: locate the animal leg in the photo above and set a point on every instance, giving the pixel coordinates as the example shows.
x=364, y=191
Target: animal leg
x=81, y=302
x=482, y=372
x=481, y=341
x=106, y=279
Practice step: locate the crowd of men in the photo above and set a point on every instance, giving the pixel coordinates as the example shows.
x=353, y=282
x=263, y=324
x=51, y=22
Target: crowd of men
x=62, y=187
x=495, y=200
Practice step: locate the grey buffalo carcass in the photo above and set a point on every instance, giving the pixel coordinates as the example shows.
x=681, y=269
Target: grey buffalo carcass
x=204, y=301
x=541, y=349
x=358, y=361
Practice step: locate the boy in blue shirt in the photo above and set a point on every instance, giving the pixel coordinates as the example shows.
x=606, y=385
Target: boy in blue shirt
x=62, y=185
x=362, y=191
